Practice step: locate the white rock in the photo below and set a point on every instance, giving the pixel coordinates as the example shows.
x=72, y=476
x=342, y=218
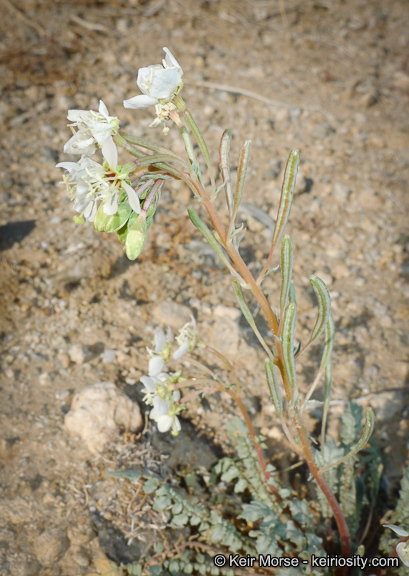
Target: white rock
x=172, y=314
x=76, y=354
x=98, y=412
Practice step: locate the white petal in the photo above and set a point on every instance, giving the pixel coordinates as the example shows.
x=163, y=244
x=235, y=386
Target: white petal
x=161, y=406
x=176, y=395
x=110, y=153
x=75, y=145
x=164, y=83
x=111, y=205
x=76, y=115
x=149, y=383
x=103, y=109
x=156, y=365
x=100, y=131
x=171, y=60
x=164, y=423
x=160, y=342
x=402, y=549
x=133, y=198
x=81, y=202
x=90, y=211
x=177, y=425
x=140, y=101
x=71, y=167
x=181, y=351
x=397, y=529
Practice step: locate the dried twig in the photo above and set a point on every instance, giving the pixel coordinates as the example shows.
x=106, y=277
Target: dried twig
x=264, y=99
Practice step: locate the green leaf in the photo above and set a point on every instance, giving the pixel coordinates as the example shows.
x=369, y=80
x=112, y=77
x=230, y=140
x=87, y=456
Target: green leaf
x=118, y=220
x=100, y=219
x=150, y=485
x=162, y=502
x=218, y=533
x=180, y=520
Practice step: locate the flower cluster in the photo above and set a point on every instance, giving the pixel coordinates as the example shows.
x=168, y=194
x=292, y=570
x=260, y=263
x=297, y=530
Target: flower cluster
x=161, y=386
x=102, y=192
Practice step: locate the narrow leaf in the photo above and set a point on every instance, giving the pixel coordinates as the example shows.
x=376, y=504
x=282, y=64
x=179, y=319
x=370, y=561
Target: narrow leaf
x=287, y=192
x=273, y=386
x=286, y=270
x=288, y=343
x=201, y=226
x=224, y=154
x=327, y=399
x=324, y=305
x=249, y=317
x=191, y=153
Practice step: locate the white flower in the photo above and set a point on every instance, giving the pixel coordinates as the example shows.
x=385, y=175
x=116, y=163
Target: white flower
x=158, y=83
x=186, y=339
x=161, y=353
x=165, y=416
x=93, y=128
x=91, y=182
x=85, y=202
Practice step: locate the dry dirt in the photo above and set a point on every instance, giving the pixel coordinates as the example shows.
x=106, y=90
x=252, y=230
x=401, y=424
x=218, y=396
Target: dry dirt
x=335, y=81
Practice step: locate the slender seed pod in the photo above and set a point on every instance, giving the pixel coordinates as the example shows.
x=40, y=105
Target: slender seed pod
x=201, y=226
x=291, y=294
x=324, y=305
x=329, y=342
x=288, y=343
x=224, y=154
x=273, y=386
x=286, y=270
x=366, y=434
x=287, y=193
x=241, y=174
x=367, y=431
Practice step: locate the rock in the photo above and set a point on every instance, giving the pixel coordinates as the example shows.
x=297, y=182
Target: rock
x=341, y=192
x=98, y=412
x=51, y=546
x=77, y=354
x=224, y=336
x=226, y=312
x=172, y=314
x=108, y=356
x=322, y=130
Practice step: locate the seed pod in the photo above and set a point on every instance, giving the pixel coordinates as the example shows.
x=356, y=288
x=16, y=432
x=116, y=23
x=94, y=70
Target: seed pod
x=329, y=342
x=100, y=219
x=324, y=305
x=288, y=343
x=224, y=154
x=287, y=193
x=273, y=386
x=286, y=270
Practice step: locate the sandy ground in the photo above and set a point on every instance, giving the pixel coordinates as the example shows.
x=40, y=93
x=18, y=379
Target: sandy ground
x=330, y=78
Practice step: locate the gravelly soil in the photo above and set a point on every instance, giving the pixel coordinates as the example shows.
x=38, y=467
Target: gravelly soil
x=335, y=81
